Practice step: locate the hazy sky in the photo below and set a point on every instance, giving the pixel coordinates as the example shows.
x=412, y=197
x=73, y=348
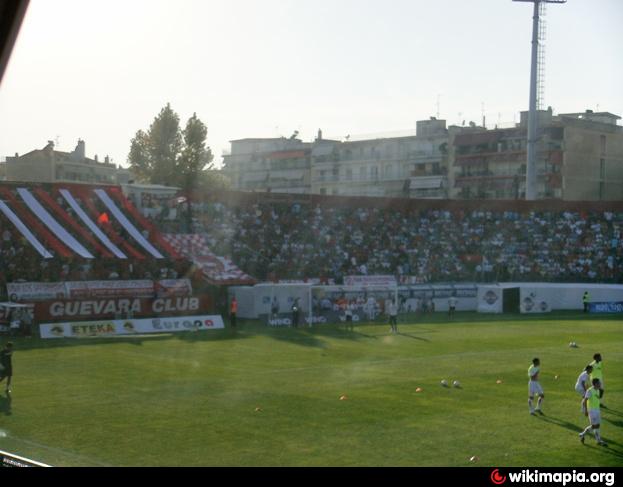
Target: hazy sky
x=101, y=70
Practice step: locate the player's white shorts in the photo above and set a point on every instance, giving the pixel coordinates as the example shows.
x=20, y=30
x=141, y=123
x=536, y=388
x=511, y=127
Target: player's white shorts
x=534, y=388
x=595, y=416
x=580, y=390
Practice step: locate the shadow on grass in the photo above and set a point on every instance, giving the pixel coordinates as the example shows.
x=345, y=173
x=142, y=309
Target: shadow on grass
x=413, y=336
x=212, y=335
x=415, y=323
x=363, y=334
x=560, y=422
x=297, y=336
x=311, y=336
x=5, y=404
x=137, y=340
x=612, y=442
x=339, y=331
x=617, y=452
x=614, y=412
x=608, y=450
x=356, y=334
x=617, y=422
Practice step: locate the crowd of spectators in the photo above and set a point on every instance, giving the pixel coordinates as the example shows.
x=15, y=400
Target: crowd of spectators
x=296, y=241
x=293, y=240
x=20, y=262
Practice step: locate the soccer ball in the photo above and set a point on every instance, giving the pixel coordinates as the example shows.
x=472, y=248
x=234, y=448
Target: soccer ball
x=444, y=383
x=456, y=383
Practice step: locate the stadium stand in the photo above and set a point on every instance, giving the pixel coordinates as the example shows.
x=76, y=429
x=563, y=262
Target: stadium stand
x=280, y=237
x=111, y=229
x=48, y=236
x=154, y=234
x=242, y=238
x=216, y=270
x=69, y=222
x=31, y=221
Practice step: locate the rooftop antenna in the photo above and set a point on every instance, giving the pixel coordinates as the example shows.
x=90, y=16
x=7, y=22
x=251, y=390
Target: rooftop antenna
x=536, y=91
x=438, y=97
x=482, y=110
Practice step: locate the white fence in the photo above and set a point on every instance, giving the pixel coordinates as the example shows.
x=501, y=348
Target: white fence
x=266, y=299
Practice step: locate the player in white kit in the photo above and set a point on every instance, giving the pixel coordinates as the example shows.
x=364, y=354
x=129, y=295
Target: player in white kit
x=534, y=388
x=583, y=383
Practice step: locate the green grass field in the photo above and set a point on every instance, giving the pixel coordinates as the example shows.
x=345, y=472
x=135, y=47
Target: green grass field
x=191, y=399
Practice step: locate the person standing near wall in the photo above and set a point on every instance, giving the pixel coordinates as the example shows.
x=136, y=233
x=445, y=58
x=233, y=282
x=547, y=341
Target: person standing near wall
x=452, y=302
x=295, y=313
x=393, y=316
x=586, y=299
x=6, y=365
x=233, y=311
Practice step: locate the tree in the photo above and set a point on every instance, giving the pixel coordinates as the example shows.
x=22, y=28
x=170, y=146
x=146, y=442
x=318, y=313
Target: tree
x=212, y=180
x=139, y=156
x=153, y=155
x=166, y=155
x=193, y=160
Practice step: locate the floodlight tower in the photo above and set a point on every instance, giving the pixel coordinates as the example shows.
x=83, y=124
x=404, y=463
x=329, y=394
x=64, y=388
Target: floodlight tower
x=532, y=121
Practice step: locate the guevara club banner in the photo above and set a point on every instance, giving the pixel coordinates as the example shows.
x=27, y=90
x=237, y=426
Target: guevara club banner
x=115, y=308
x=106, y=328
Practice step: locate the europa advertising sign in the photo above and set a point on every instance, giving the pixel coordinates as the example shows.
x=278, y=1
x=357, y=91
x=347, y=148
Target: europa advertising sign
x=80, y=310
x=106, y=328
x=609, y=307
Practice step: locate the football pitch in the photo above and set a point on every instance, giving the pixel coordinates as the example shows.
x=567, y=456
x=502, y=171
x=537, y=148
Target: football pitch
x=314, y=397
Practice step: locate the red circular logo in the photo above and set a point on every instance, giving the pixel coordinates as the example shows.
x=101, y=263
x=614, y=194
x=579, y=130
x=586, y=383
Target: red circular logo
x=496, y=478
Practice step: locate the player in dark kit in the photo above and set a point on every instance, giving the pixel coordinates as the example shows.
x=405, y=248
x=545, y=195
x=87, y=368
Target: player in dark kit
x=295, y=313
x=6, y=367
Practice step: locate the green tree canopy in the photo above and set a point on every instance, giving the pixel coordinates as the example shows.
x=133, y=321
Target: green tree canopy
x=195, y=156
x=167, y=155
x=154, y=154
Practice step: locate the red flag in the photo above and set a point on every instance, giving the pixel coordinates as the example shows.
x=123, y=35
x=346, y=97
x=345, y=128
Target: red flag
x=103, y=218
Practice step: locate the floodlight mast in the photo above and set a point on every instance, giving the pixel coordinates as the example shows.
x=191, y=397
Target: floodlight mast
x=532, y=120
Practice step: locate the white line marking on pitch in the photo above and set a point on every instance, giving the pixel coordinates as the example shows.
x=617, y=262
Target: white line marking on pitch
x=60, y=451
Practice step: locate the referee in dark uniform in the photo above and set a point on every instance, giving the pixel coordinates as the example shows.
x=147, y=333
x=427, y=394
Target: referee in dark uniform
x=6, y=367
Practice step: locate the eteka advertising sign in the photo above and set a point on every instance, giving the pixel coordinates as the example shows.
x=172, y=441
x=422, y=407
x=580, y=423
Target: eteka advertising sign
x=104, y=328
